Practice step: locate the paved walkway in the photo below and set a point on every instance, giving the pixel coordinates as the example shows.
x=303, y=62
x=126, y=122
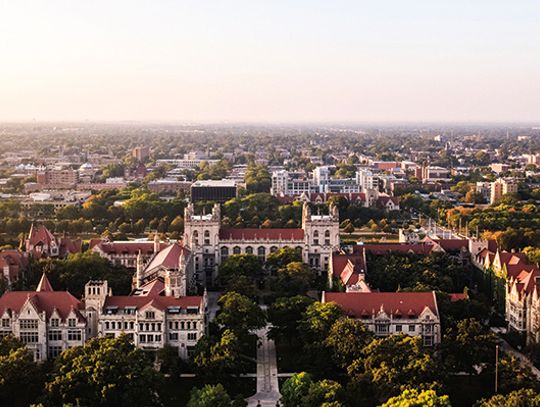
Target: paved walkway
x=267, y=377
x=524, y=360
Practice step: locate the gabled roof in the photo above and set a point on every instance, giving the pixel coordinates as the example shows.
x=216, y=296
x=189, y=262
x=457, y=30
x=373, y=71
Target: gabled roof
x=40, y=234
x=252, y=234
x=368, y=304
x=61, y=301
x=168, y=257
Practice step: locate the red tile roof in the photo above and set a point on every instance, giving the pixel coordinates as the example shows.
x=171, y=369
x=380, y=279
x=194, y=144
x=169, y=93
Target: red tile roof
x=168, y=257
x=365, y=305
x=46, y=301
x=424, y=248
x=159, y=302
x=458, y=297
x=261, y=234
x=127, y=247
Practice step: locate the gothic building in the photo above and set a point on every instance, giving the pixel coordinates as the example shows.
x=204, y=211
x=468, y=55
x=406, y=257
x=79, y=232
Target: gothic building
x=209, y=243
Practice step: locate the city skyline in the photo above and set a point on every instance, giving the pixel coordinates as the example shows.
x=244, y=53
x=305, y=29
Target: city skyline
x=270, y=63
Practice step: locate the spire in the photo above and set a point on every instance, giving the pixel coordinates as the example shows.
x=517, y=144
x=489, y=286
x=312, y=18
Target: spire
x=44, y=284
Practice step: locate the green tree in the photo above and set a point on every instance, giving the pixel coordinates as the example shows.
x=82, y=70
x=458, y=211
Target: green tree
x=349, y=228
x=21, y=379
x=293, y=279
x=396, y=361
x=518, y=398
x=467, y=345
x=74, y=272
x=324, y=393
x=216, y=357
x=295, y=389
x=317, y=321
x=210, y=396
x=238, y=273
x=416, y=398
x=347, y=339
x=239, y=314
x=104, y=372
x=284, y=315
x=282, y=257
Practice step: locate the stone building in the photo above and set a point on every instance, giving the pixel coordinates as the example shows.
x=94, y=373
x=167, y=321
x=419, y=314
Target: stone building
x=209, y=243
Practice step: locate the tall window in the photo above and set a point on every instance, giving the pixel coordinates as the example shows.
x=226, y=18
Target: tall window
x=261, y=251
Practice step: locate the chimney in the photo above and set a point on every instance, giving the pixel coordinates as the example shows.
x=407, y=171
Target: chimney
x=139, y=270
x=156, y=242
x=168, y=290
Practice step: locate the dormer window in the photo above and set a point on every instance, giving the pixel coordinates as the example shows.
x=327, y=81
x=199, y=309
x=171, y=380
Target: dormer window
x=5, y=322
x=72, y=322
x=55, y=322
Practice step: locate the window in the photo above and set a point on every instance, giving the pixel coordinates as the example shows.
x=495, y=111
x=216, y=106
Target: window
x=316, y=233
x=412, y=328
x=107, y=325
x=224, y=252
x=55, y=335
x=398, y=328
x=206, y=237
x=194, y=325
x=150, y=315
x=173, y=336
x=382, y=328
x=182, y=325
x=192, y=336
x=142, y=338
x=428, y=328
x=236, y=250
x=261, y=251
x=195, y=238
x=28, y=323
x=428, y=340
x=273, y=249
x=190, y=351
x=189, y=325
x=74, y=335
x=54, y=351
x=249, y=250
x=150, y=338
x=55, y=322
x=157, y=338
x=29, y=337
x=327, y=233
x=72, y=322
x=5, y=322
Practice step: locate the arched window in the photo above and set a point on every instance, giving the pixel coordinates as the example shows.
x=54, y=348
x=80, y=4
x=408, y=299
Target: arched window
x=249, y=250
x=236, y=250
x=273, y=249
x=195, y=238
x=316, y=233
x=224, y=252
x=327, y=233
x=206, y=237
x=327, y=237
x=261, y=251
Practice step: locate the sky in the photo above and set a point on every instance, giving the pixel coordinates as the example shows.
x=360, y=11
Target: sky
x=270, y=61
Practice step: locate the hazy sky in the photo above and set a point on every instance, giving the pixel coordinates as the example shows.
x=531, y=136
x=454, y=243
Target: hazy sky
x=270, y=61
